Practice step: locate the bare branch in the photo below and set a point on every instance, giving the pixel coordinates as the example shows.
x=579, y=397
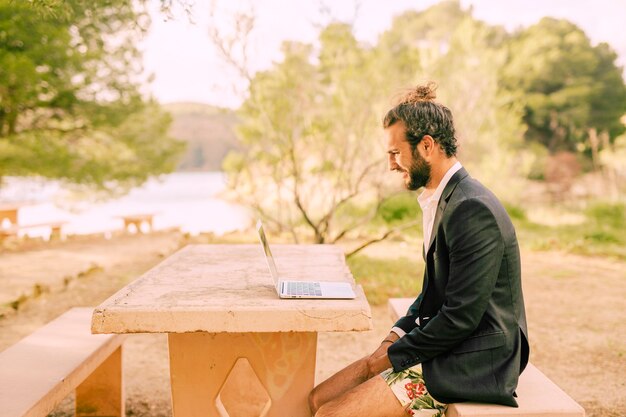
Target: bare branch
x=325, y=15
x=361, y=222
x=167, y=7
x=298, y=200
x=355, y=192
x=229, y=47
x=384, y=236
x=356, y=12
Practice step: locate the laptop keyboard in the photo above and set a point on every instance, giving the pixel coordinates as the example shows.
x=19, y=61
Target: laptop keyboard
x=304, y=288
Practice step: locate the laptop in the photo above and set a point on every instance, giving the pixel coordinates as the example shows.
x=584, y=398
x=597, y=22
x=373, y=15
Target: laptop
x=302, y=289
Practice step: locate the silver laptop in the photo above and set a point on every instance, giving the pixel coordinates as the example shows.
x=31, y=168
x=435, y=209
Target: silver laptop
x=302, y=289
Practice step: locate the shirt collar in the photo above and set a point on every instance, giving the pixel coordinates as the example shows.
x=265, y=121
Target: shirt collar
x=427, y=198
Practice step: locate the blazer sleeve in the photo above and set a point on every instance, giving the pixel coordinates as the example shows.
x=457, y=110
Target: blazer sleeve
x=409, y=321
x=476, y=248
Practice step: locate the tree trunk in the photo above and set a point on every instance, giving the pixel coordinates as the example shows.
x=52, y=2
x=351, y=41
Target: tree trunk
x=594, y=141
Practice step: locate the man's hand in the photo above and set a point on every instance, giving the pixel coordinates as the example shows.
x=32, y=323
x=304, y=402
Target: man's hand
x=379, y=361
x=384, y=345
x=376, y=365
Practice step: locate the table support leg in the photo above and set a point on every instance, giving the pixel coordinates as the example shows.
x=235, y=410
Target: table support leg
x=242, y=374
x=102, y=393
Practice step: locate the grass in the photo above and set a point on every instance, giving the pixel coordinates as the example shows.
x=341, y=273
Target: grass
x=387, y=278
x=602, y=233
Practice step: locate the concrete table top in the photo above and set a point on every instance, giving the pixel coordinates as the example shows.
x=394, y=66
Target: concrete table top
x=228, y=288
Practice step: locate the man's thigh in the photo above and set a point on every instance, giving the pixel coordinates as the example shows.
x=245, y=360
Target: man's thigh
x=372, y=398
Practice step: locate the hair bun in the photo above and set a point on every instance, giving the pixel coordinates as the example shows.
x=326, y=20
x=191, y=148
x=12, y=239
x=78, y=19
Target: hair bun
x=424, y=92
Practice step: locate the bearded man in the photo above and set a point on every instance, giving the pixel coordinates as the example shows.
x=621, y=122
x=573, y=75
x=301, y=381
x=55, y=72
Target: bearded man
x=464, y=338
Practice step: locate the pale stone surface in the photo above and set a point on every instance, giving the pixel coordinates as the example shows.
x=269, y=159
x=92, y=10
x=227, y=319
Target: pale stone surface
x=228, y=288
x=102, y=393
x=44, y=367
x=243, y=382
x=537, y=396
x=219, y=304
x=202, y=366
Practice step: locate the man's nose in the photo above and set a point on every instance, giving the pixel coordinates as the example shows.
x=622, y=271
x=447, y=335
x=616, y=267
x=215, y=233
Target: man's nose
x=392, y=163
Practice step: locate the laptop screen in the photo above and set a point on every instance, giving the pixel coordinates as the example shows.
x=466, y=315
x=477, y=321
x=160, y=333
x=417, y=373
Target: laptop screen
x=266, y=250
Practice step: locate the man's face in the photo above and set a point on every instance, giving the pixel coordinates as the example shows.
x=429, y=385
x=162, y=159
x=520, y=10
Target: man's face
x=414, y=168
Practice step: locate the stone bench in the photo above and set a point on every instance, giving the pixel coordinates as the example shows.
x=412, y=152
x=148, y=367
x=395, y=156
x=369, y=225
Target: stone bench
x=537, y=396
x=136, y=223
x=40, y=370
x=55, y=229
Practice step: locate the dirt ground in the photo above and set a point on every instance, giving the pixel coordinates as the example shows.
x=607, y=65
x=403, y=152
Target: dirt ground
x=575, y=306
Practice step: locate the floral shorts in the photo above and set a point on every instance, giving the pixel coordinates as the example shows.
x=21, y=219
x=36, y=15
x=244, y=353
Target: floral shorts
x=409, y=388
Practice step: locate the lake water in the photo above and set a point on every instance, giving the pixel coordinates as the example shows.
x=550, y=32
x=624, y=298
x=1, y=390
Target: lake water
x=188, y=200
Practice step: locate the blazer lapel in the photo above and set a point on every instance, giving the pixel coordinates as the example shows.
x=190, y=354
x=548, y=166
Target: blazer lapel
x=443, y=202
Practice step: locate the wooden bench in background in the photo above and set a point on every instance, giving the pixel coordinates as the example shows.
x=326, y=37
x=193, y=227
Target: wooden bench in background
x=43, y=368
x=13, y=230
x=537, y=395
x=134, y=222
x=9, y=214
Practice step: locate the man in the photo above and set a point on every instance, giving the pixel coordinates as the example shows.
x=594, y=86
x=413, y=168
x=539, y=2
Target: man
x=464, y=338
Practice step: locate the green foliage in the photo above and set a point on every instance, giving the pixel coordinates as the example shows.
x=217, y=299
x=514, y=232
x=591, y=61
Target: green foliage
x=464, y=57
x=603, y=233
x=70, y=105
x=568, y=86
x=387, y=278
x=515, y=212
x=47, y=8
x=310, y=129
x=613, y=159
x=533, y=160
x=400, y=208
x=601, y=237
x=307, y=132
x=609, y=215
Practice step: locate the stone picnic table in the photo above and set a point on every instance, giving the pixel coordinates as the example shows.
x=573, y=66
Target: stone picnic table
x=233, y=344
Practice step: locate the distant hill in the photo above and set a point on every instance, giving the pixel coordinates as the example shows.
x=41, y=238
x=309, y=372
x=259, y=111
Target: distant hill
x=208, y=131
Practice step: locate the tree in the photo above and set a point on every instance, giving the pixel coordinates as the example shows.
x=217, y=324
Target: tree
x=571, y=90
x=309, y=131
x=310, y=125
x=70, y=105
x=464, y=57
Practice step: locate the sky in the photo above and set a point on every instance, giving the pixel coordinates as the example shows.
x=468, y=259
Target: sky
x=187, y=68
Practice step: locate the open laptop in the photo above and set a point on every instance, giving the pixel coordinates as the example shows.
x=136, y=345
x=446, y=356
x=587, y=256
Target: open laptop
x=302, y=289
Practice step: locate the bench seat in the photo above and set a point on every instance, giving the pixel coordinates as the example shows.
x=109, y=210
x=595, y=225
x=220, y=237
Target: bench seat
x=537, y=395
x=136, y=221
x=13, y=230
x=40, y=370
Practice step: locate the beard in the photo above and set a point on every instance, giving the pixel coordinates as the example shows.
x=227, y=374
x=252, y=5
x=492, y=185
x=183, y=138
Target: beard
x=419, y=172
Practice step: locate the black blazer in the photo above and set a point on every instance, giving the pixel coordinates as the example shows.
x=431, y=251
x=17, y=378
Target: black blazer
x=471, y=339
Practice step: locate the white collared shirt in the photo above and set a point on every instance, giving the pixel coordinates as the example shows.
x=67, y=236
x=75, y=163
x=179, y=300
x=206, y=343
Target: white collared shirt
x=429, y=200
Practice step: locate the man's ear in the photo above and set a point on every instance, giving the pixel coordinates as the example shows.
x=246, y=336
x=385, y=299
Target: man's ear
x=428, y=144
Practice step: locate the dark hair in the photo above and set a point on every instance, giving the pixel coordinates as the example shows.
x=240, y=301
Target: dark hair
x=423, y=116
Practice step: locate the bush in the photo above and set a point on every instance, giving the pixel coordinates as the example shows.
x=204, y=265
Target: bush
x=387, y=278
x=601, y=237
x=602, y=234
x=401, y=207
x=607, y=214
x=515, y=212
